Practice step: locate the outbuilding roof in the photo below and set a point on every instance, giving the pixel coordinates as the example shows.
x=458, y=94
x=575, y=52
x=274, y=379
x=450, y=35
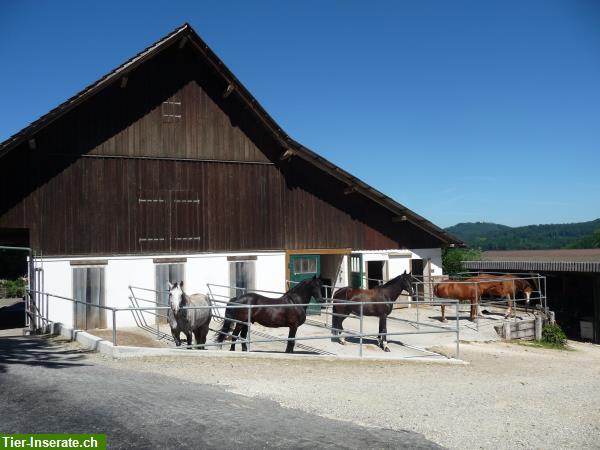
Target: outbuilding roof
x=563, y=260
x=185, y=35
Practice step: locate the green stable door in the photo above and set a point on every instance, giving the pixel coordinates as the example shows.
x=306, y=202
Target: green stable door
x=356, y=271
x=303, y=267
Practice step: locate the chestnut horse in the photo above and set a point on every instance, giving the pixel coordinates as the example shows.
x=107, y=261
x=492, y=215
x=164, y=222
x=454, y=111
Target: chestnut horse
x=463, y=292
x=471, y=289
x=510, y=286
x=388, y=292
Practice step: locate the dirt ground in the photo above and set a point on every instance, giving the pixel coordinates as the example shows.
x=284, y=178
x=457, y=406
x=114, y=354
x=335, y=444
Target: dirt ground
x=509, y=396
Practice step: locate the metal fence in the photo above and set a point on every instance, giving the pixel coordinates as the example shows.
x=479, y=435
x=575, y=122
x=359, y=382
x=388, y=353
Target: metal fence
x=536, y=280
x=218, y=303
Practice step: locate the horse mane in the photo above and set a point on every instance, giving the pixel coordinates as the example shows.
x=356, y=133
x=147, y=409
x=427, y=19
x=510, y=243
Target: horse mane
x=393, y=280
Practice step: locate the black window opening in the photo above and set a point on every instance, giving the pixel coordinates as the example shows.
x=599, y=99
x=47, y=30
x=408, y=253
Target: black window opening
x=242, y=276
x=165, y=274
x=88, y=287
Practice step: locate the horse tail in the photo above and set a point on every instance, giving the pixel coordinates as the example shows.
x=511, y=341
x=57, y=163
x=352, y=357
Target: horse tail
x=227, y=325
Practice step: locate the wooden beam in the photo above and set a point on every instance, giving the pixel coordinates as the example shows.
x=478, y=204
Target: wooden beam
x=182, y=42
x=288, y=154
x=397, y=219
x=124, y=81
x=229, y=90
x=350, y=190
x=32, y=144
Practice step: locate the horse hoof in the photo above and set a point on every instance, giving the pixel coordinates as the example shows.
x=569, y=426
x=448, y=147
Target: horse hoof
x=342, y=341
x=444, y=320
x=386, y=349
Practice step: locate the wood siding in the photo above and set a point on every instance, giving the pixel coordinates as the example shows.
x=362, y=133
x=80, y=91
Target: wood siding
x=123, y=174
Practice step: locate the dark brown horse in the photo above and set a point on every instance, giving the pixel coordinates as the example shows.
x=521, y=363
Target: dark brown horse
x=388, y=292
x=270, y=315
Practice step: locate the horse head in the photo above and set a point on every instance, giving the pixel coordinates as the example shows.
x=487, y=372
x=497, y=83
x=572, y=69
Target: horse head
x=175, y=295
x=527, y=290
x=316, y=285
x=406, y=283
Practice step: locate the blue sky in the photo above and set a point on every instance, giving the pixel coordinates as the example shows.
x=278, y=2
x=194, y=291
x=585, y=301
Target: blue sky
x=462, y=110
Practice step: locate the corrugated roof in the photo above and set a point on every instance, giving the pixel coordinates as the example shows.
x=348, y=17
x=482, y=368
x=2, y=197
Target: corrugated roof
x=292, y=147
x=567, y=260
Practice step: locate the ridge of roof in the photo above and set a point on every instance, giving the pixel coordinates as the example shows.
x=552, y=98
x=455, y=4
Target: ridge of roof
x=298, y=149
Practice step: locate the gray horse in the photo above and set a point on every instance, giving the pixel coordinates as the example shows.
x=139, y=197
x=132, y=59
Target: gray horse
x=188, y=321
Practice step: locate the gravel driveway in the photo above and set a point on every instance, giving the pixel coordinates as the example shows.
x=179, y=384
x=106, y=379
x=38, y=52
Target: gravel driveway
x=509, y=396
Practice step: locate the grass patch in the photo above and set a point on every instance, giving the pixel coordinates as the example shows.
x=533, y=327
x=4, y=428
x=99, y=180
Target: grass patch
x=542, y=344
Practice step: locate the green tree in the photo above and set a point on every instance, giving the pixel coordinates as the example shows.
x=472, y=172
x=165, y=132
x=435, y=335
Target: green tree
x=452, y=259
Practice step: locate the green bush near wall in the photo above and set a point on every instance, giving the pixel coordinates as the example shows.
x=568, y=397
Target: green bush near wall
x=554, y=336
x=12, y=288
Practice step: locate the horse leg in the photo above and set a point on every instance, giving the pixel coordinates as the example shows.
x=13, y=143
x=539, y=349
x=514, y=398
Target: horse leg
x=510, y=307
x=243, y=335
x=334, y=326
x=203, y=334
x=340, y=327
x=234, y=334
x=199, y=338
x=291, y=335
x=189, y=336
x=443, y=307
x=175, y=334
x=382, y=330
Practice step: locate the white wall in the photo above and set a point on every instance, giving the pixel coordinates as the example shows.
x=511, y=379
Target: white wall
x=436, y=258
x=122, y=272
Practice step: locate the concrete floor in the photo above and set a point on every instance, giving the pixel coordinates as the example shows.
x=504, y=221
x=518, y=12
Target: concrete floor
x=416, y=343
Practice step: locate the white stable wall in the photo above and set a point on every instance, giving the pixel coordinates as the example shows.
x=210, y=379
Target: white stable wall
x=139, y=271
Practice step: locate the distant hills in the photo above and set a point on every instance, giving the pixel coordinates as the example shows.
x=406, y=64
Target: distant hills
x=493, y=236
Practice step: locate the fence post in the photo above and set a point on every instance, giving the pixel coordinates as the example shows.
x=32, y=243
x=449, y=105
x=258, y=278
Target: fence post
x=507, y=331
x=457, y=334
x=417, y=301
x=538, y=328
x=477, y=305
x=249, y=326
x=360, y=351
x=114, y=327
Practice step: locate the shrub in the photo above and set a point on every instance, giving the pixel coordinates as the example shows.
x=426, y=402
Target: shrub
x=554, y=335
x=12, y=288
x=452, y=259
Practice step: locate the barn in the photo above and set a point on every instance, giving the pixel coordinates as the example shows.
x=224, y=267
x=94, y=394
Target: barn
x=167, y=168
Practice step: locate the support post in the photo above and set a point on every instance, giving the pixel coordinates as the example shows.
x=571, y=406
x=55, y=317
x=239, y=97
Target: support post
x=360, y=349
x=114, y=327
x=249, y=325
x=506, y=327
x=477, y=305
x=538, y=328
x=457, y=334
x=418, y=324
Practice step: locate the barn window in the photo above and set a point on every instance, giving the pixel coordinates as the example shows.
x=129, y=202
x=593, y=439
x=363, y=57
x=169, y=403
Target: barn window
x=305, y=265
x=242, y=274
x=88, y=287
x=171, y=110
x=166, y=273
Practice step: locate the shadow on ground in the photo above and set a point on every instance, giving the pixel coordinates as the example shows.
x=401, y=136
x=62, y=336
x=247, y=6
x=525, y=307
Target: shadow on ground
x=37, y=351
x=12, y=314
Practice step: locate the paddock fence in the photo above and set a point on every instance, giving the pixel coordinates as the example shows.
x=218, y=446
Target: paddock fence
x=519, y=304
x=148, y=314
